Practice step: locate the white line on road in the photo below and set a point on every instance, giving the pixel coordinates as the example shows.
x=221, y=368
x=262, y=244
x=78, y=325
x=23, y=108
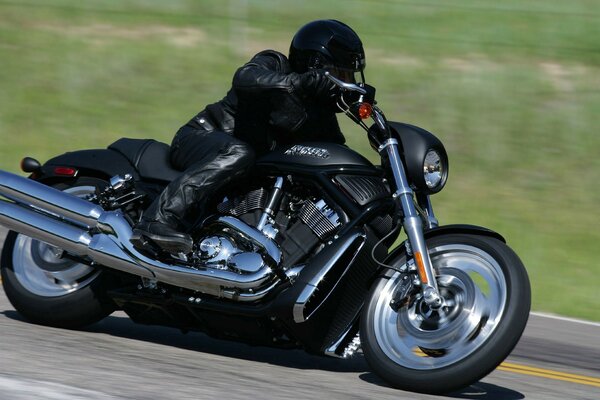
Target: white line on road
x=25, y=389
x=567, y=319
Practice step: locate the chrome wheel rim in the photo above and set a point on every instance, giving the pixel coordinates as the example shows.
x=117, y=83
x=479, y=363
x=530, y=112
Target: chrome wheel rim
x=41, y=268
x=474, y=290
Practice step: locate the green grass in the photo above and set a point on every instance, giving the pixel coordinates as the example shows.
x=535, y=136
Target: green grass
x=512, y=88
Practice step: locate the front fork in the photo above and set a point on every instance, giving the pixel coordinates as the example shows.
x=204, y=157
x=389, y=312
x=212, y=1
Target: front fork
x=413, y=225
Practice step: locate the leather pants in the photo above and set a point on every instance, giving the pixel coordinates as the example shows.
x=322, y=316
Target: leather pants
x=210, y=160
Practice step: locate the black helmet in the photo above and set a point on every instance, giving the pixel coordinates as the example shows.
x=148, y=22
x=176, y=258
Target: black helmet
x=330, y=45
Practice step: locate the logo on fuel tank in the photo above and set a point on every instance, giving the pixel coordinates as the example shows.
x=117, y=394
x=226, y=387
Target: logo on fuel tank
x=299, y=150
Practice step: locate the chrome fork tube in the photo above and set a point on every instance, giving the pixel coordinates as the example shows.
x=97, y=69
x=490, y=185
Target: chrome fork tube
x=412, y=225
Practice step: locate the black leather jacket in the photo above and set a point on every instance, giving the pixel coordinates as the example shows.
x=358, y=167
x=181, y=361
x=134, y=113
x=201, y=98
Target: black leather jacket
x=265, y=107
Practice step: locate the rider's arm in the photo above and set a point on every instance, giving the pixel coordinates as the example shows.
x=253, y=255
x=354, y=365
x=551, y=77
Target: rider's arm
x=264, y=72
x=269, y=70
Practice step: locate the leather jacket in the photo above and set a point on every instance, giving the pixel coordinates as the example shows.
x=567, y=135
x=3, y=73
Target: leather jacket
x=266, y=107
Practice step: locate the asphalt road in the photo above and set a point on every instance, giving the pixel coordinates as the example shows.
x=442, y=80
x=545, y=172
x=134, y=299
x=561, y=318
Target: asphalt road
x=116, y=359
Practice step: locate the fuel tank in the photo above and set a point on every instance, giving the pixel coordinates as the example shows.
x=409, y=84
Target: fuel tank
x=314, y=155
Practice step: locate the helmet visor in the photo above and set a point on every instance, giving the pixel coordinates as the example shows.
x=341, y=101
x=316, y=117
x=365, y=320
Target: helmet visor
x=347, y=75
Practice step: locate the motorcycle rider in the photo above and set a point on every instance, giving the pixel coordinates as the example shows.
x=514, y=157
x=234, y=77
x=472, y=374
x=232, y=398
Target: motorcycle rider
x=273, y=101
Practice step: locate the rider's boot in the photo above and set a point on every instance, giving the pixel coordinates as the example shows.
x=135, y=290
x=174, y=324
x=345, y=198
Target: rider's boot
x=161, y=225
x=161, y=235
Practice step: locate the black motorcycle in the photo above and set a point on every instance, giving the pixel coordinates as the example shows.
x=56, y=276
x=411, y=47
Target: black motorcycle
x=301, y=254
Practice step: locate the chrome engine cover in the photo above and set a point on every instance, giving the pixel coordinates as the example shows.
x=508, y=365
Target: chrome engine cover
x=221, y=252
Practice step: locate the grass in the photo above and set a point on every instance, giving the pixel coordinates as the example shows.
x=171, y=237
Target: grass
x=511, y=88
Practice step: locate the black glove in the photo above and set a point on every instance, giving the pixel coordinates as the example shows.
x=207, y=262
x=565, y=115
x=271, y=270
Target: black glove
x=315, y=85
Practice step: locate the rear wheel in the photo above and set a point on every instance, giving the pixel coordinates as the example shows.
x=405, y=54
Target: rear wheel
x=48, y=287
x=487, y=300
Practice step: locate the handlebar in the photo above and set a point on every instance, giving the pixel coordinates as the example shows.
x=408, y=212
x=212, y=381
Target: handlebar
x=346, y=86
x=375, y=113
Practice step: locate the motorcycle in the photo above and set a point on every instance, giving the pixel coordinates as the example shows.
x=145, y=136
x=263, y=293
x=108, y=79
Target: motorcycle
x=301, y=254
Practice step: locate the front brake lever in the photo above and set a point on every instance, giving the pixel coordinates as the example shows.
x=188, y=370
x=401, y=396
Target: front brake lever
x=346, y=86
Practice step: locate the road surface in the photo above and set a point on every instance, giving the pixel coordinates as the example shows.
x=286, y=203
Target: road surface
x=116, y=359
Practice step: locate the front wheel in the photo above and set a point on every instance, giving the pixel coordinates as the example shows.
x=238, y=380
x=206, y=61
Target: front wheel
x=487, y=299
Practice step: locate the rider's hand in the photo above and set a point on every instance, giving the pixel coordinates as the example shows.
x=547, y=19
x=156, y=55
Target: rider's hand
x=317, y=86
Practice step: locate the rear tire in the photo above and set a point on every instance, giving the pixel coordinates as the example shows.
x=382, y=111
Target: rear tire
x=65, y=293
x=488, y=295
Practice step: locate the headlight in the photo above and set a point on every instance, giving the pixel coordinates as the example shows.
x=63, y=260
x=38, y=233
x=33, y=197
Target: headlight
x=433, y=169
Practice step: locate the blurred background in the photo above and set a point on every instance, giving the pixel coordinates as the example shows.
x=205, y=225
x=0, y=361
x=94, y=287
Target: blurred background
x=512, y=88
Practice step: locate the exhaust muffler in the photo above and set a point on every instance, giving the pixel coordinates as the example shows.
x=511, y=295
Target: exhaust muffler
x=85, y=229
x=34, y=194
x=41, y=227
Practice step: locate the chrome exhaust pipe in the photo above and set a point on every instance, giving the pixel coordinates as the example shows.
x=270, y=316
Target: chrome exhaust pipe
x=70, y=238
x=44, y=213
x=177, y=275
x=31, y=193
x=41, y=227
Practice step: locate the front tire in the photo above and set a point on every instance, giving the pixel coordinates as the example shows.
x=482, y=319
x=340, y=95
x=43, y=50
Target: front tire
x=48, y=288
x=488, y=297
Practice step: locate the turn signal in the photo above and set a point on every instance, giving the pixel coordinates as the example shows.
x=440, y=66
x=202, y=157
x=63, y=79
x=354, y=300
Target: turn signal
x=29, y=164
x=365, y=110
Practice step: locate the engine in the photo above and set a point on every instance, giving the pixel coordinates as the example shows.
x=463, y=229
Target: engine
x=298, y=225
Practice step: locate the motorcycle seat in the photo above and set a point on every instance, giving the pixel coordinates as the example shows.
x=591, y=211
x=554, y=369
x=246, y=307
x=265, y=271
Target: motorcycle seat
x=148, y=156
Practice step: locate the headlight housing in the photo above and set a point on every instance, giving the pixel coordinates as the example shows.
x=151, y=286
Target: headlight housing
x=424, y=157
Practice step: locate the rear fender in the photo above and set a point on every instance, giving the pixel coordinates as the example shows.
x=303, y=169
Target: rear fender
x=98, y=163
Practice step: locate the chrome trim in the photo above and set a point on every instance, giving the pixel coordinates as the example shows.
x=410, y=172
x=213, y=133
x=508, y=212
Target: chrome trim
x=246, y=297
x=385, y=144
x=300, y=305
x=31, y=193
x=117, y=182
x=349, y=241
x=44, y=228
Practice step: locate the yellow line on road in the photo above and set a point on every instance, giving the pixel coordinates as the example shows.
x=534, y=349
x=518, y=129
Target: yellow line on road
x=550, y=374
